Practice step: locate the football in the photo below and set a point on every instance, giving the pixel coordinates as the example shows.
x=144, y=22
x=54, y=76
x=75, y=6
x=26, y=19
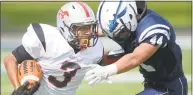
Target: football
x=109, y=57
x=29, y=70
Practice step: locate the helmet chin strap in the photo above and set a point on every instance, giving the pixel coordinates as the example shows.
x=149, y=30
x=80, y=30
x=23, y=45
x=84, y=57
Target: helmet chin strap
x=85, y=43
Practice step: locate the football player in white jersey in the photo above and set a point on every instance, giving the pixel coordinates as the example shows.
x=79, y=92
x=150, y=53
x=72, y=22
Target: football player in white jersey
x=64, y=52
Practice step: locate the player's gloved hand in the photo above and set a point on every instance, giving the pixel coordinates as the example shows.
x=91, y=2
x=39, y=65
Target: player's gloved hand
x=22, y=90
x=34, y=88
x=100, y=73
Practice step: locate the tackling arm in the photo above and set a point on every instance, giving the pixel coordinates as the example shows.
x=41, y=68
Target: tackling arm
x=129, y=61
x=149, y=44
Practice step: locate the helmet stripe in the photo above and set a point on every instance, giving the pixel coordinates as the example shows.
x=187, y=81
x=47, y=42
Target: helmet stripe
x=113, y=23
x=120, y=3
x=85, y=9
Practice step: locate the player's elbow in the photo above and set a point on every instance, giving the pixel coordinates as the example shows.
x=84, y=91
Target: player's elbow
x=6, y=60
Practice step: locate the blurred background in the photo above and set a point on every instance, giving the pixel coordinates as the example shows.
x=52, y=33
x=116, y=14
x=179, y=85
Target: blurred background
x=16, y=17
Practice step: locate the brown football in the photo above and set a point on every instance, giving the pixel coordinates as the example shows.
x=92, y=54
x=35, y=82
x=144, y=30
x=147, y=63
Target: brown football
x=29, y=70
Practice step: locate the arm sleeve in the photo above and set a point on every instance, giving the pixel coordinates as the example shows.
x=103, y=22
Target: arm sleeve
x=157, y=37
x=21, y=54
x=157, y=40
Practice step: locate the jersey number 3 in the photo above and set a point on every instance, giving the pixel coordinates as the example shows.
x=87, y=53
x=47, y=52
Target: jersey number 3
x=67, y=66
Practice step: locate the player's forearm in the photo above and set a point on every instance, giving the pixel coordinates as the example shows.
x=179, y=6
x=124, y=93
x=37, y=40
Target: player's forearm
x=127, y=62
x=12, y=69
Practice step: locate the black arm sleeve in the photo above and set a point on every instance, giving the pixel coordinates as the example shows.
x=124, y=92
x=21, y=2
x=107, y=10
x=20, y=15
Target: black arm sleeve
x=21, y=54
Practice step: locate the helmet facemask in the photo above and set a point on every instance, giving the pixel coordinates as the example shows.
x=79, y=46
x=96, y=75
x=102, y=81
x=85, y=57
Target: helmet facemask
x=123, y=33
x=84, y=35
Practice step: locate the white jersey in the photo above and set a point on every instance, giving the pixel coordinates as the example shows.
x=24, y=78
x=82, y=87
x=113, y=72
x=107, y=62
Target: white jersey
x=63, y=69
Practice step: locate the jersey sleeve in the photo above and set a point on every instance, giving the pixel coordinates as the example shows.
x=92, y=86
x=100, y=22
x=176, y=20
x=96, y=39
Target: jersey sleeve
x=32, y=44
x=21, y=54
x=157, y=35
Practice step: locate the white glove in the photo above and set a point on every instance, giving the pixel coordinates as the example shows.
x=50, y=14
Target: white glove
x=100, y=73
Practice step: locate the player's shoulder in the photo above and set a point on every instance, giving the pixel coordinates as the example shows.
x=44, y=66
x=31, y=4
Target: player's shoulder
x=46, y=39
x=151, y=21
x=41, y=34
x=40, y=31
x=40, y=27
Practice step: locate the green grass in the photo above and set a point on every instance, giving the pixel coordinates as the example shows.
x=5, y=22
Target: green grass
x=21, y=14
x=187, y=61
x=178, y=13
x=126, y=88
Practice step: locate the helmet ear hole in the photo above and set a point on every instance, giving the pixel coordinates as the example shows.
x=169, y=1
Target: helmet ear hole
x=73, y=7
x=131, y=16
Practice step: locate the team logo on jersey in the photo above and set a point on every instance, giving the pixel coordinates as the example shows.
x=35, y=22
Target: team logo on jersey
x=113, y=23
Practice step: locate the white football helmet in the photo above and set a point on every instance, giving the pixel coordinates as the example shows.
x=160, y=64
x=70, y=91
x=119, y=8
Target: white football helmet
x=115, y=17
x=75, y=14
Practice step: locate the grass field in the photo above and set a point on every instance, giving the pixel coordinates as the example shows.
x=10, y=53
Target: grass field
x=125, y=88
x=18, y=15
x=122, y=88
